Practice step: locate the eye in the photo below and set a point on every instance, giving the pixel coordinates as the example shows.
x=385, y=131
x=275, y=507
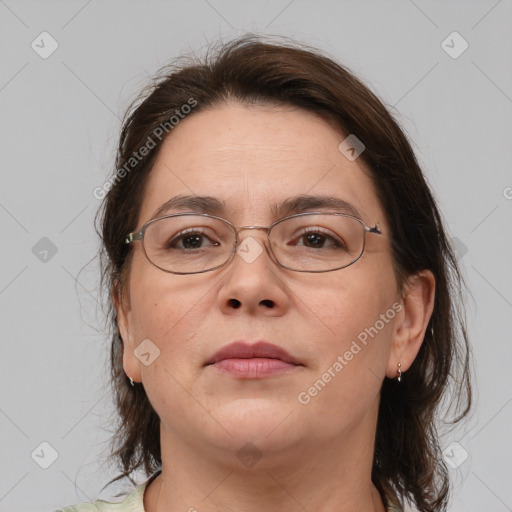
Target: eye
x=316, y=238
x=191, y=239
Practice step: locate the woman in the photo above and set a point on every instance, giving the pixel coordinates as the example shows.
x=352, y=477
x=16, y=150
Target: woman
x=283, y=294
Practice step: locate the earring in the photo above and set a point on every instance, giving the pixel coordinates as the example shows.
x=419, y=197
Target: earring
x=399, y=372
x=131, y=382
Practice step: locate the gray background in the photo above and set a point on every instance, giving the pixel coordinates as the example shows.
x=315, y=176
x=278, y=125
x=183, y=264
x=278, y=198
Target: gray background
x=59, y=124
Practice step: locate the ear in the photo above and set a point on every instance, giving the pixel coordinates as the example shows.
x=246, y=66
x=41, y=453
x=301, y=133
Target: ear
x=418, y=304
x=122, y=305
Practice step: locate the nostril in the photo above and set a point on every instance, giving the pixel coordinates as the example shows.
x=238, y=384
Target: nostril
x=235, y=303
x=268, y=303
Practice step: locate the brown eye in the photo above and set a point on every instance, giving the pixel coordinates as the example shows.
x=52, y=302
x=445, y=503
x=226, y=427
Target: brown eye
x=191, y=240
x=318, y=239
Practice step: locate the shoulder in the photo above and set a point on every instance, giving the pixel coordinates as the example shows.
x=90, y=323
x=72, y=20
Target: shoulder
x=127, y=505
x=104, y=506
x=133, y=502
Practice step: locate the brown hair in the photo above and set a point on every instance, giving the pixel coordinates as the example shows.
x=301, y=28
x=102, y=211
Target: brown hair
x=408, y=459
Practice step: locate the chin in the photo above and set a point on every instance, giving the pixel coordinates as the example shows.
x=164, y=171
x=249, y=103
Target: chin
x=263, y=422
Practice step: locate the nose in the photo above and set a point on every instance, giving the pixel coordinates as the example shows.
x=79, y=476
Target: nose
x=252, y=283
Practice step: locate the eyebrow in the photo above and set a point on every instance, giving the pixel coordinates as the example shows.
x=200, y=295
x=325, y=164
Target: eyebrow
x=298, y=204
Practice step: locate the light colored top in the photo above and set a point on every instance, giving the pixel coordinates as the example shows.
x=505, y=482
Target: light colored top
x=134, y=502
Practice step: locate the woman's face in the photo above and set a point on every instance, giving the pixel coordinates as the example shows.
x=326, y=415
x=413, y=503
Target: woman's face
x=253, y=159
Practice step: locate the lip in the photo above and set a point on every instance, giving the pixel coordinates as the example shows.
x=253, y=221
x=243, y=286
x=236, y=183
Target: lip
x=244, y=350
x=253, y=360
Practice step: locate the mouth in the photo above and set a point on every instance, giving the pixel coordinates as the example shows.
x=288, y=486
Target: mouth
x=253, y=361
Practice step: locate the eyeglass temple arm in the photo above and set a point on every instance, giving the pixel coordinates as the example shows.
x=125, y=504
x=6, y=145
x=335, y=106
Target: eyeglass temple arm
x=134, y=235
x=375, y=229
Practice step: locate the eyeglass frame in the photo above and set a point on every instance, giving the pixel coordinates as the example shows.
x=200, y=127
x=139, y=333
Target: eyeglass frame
x=139, y=235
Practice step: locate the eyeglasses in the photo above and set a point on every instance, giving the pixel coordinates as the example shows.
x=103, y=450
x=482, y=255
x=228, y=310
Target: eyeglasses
x=191, y=243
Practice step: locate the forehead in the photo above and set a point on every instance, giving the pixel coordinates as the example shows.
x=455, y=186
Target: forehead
x=254, y=158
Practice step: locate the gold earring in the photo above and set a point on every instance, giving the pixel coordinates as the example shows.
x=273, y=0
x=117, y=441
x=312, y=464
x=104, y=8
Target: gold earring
x=131, y=382
x=399, y=372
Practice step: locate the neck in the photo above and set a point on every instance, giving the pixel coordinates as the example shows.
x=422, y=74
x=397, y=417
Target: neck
x=333, y=477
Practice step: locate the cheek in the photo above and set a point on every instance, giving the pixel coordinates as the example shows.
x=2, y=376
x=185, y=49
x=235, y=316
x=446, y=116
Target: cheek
x=354, y=322
x=345, y=304
x=167, y=308
x=170, y=312
x=352, y=358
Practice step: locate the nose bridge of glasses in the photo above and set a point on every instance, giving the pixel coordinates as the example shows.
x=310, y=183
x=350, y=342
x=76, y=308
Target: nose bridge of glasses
x=262, y=239
x=251, y=229
x=241, y=228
